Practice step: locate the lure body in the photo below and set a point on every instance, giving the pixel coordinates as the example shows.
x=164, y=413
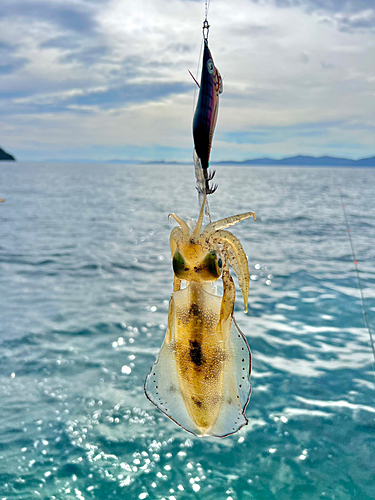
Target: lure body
x=201, y=377
x=207, y=107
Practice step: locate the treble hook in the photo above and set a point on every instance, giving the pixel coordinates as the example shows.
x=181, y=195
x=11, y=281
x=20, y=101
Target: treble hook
x=206, y=27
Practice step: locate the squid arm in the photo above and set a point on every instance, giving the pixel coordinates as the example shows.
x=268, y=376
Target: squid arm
x=238, y=260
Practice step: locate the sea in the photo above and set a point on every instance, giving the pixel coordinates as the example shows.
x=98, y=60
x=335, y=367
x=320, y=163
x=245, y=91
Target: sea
x=85, y=281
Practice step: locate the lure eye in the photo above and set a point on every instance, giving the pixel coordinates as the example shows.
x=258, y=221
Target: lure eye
x=178, y=264
x=210, y=66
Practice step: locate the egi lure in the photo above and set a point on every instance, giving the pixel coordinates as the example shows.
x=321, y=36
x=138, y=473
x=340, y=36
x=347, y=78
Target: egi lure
x=205, y=116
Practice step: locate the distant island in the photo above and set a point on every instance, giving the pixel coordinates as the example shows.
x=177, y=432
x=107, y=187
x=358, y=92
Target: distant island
x=298, y=161
x=290, y=161
x=314, y=161
x=6, y=156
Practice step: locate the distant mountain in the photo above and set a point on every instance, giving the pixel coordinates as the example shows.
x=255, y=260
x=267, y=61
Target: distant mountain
x=6, y=156
x=300, y=161
x=320, y=161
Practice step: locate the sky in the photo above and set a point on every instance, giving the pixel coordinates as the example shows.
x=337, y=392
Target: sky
x=108, y=79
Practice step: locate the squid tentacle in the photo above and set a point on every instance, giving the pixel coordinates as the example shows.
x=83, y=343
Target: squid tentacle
x=227, y=222
x=176, y=234
x=227, y=302
x=185, y=228
x=238, y=260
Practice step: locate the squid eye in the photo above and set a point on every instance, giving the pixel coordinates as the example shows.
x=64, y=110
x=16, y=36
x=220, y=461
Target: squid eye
x=209, y=264
x=220, y=263
x=178, y=263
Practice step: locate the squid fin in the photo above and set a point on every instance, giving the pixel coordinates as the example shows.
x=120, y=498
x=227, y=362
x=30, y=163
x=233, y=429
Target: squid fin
x=237, y=389
x=163, y=390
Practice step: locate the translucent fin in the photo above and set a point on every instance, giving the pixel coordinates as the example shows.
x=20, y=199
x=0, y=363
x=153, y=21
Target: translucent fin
x=237, y=389
x=162, y=389
x=243, y=364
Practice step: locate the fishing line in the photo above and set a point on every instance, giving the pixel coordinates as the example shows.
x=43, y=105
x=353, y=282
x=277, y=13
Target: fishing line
x=197, y=73
x=206, y=9
x=207, y=6
x=364, y=313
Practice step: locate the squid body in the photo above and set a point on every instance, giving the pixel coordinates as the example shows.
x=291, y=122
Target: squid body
x=201, y=377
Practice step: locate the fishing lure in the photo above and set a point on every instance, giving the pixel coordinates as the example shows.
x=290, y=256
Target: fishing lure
x=201, y=379
x=205, y=116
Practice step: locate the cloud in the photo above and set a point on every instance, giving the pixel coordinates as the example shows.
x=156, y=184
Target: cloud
x=61, y=14
x=361, y=21
x=323, y=5
x=83, y=75
x=326, y=65
x=349, y=15
x=268, y=134
x=9, y=63
x=304, y=57
x=130, y=94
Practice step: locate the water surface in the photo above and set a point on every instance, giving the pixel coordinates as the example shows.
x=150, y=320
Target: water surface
x=85, y=280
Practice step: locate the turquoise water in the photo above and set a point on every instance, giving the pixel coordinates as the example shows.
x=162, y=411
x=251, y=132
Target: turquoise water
x=85, y=279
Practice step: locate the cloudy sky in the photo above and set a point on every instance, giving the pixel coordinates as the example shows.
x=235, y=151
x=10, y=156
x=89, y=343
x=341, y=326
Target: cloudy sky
x=103, y=79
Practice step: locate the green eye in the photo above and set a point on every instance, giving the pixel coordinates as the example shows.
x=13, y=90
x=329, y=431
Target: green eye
x=209, y=264
x=178, y=263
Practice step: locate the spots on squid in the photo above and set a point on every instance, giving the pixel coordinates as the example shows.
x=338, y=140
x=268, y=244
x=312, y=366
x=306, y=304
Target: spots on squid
x=196, y=353
x=197, y=402
x=194, y=310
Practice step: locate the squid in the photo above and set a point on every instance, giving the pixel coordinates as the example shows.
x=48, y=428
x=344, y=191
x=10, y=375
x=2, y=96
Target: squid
x=201, y=379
